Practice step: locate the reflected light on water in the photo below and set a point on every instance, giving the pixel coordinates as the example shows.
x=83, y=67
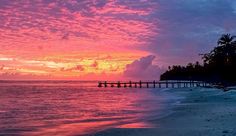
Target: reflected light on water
x=73, y=110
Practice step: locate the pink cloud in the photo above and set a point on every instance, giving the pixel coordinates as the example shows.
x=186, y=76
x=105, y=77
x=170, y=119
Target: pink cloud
x=53, y=26
x=143, y=69
x=30, y=35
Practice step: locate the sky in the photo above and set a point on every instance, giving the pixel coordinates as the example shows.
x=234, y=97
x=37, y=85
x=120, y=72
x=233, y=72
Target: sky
x=107, y=39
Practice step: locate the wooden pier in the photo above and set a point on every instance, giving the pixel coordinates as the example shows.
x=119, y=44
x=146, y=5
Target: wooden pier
x=153, y=84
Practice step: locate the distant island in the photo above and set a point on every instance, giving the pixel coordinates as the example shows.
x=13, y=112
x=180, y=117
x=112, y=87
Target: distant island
x=219, y=65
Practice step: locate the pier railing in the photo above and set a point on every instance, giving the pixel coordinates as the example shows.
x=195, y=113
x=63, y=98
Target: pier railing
x=153, y=84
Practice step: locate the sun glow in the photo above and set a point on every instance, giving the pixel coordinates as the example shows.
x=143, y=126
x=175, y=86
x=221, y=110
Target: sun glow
x=73, y=65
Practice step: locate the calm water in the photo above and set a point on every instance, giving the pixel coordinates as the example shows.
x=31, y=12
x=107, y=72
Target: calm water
x=73, y=108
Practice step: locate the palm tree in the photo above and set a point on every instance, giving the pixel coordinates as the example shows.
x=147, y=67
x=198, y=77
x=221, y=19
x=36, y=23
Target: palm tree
x=225, y=40
x=222, y=54
x=226, y=46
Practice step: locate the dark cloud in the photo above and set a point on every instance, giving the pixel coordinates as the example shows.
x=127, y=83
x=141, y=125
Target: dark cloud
x=190, y=27
x=65, y=36
x=143, y=69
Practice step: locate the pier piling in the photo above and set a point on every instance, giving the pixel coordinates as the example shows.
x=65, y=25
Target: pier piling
x=130, y=84
x=118, y=84
x=125, y=85
x=105, y=84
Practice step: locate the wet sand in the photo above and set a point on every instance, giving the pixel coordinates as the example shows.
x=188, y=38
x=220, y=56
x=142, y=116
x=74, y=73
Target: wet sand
x=198, y=112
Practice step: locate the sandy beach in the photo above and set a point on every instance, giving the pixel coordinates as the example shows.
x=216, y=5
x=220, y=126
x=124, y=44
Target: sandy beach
x=197, y=112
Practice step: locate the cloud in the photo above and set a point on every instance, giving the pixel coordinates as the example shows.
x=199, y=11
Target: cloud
x=75, y=68
x=143, y=69
x=189, y=27
x=34, y=31
x=80, y=68
x=94, y=64
x=1, y=67
x=175, y=31
x=72, y=25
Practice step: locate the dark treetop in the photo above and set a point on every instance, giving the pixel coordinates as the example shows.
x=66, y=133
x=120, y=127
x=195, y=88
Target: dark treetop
x=219, y=65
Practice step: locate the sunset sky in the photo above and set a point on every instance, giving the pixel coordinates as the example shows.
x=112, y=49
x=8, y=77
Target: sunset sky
x=107, y=39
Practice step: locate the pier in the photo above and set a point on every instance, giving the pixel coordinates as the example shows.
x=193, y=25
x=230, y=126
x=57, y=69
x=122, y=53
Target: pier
x=153, y=84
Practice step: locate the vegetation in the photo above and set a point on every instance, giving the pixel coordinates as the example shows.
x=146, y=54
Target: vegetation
x=219, y=65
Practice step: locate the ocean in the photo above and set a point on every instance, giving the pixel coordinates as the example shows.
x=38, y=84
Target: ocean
x=71, y=108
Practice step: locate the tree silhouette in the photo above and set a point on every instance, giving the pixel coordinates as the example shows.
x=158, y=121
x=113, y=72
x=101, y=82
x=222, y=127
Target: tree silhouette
x=223, y=53
x=219, y=64
x=226, y=40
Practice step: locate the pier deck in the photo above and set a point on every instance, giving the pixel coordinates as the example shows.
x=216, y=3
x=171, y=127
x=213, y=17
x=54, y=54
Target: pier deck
x=153, y=84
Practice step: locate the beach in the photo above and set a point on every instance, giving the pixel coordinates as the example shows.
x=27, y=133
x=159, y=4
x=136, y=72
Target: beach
x=197, y=112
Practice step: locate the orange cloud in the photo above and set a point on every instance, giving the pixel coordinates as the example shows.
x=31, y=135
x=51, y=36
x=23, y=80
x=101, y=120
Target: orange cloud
x=74, y=65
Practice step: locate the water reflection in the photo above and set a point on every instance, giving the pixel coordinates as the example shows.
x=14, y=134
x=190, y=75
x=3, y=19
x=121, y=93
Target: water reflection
x=72, y=110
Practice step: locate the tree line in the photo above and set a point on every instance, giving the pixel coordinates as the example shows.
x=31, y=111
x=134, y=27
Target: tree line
x=219, y=65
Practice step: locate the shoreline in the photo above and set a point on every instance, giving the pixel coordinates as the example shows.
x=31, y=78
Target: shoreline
x=200, y=111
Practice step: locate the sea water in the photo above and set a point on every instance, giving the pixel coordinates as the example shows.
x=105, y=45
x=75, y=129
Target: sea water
x=74, y=107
